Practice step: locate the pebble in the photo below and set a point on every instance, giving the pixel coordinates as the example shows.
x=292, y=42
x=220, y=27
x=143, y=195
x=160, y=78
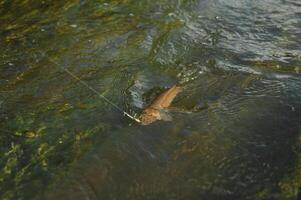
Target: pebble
x=30, y=134
x=293, y=108
x=73, y=25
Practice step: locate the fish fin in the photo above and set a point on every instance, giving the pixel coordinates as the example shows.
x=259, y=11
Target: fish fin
x=165, y=116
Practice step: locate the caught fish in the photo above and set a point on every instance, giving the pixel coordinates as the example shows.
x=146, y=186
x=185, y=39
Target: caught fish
x=155, y=111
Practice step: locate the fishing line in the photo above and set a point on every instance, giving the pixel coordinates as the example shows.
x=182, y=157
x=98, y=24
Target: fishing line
x=95, y=91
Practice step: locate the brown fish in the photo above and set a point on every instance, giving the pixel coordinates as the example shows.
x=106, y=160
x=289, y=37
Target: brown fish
x=154, y=111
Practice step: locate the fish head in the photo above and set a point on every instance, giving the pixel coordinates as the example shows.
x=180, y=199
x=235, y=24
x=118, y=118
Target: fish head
x=149, y=116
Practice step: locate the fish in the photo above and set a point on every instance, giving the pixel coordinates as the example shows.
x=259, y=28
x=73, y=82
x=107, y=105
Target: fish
x=157, y=109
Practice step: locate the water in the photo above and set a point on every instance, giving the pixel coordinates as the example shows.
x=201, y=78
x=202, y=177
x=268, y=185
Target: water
x=235, y=133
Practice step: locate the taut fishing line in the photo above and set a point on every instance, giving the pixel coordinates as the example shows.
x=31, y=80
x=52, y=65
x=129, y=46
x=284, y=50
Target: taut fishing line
x=95, y=91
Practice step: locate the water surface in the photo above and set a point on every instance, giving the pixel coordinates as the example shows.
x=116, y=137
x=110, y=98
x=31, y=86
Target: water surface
x=235, y=132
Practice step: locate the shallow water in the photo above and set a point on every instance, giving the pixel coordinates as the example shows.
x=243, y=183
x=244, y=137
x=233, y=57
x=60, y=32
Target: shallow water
x=235, y=132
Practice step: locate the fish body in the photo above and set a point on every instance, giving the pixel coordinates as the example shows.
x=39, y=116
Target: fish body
x=155, y=111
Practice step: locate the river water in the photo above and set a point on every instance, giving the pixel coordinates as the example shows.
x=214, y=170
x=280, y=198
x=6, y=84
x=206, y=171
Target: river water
x=235, y=133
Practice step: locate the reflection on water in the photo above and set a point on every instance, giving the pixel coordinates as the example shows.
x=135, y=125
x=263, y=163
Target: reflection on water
x=235, y=132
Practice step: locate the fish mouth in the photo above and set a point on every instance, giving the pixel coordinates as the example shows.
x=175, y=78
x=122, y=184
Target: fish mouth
x=149, y=116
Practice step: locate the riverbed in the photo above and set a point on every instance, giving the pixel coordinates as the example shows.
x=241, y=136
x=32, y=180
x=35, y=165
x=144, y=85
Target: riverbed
x=235, y=129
